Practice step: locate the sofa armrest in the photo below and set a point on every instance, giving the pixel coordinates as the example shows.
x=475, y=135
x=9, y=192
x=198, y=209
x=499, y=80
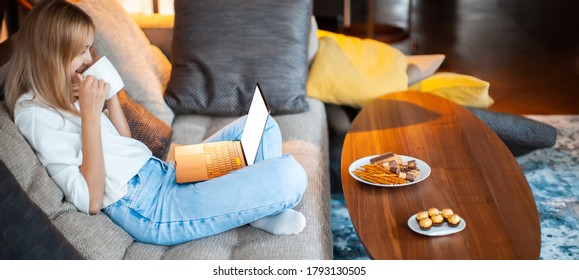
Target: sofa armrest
x=158, y=29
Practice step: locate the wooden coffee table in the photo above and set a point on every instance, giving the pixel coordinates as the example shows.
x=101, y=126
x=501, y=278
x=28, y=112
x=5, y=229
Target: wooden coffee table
x=473, y=173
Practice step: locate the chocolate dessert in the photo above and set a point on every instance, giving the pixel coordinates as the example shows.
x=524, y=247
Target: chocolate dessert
x=454, y=220
x=425, y=224
x=422, y=215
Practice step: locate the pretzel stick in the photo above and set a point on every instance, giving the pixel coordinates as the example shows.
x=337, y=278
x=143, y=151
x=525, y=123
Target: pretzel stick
x=380, y=180
x=377, y=174
x=383, y=180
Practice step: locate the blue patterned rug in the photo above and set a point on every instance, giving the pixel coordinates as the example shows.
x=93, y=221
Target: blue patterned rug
x=553, y=175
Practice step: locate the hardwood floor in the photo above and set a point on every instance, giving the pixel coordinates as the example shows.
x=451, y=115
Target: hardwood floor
x=527, y=49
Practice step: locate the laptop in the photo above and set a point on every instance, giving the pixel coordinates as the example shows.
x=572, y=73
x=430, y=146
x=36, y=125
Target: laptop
x=206, y=161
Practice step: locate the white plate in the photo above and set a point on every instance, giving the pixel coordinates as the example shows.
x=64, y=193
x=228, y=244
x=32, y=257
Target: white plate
x=422, y=166
x=444, y=229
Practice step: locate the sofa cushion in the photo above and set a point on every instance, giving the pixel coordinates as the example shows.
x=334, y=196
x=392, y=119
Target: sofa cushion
x=27, y=169
x=222, y=49
x=313, y=43
x=422, y=66
x=249, y=243
x=145, y=127
x=352, y=71
x=26, y=233
x=305, y=137
x=462, y=89
x=143, y=67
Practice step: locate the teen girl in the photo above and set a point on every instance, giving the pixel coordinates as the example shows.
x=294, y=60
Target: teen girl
x=100, y=168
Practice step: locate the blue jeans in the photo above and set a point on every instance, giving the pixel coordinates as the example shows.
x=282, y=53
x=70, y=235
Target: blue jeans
x=157, y=210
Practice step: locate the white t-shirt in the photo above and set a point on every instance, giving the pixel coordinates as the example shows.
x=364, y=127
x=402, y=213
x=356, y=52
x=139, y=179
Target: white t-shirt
x=56, y=138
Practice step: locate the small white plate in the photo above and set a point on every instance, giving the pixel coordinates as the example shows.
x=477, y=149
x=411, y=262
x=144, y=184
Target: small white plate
x=444, y=229
x=422, y=166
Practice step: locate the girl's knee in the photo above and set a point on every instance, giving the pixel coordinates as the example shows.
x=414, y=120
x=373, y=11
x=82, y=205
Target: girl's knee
x=271, y=122
x=271, y=126
x=292, y=174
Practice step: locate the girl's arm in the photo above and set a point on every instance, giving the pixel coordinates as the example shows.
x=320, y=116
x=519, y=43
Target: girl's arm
x=117, y=116
x=115, y=111
x=91, y=97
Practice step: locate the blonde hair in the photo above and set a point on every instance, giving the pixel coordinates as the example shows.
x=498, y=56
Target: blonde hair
x=54, y=32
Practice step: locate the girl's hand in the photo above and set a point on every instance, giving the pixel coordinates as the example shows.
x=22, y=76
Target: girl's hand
x=91, y=95
x=75, y=89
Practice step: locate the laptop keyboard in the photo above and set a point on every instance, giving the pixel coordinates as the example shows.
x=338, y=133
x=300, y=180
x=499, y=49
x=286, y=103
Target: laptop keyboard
x=221, y=158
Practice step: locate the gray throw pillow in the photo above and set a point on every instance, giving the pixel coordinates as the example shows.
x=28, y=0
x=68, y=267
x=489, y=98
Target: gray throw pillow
x=521, y=135
x=221, y=49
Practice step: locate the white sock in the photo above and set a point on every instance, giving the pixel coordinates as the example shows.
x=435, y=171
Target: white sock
x=287, y=222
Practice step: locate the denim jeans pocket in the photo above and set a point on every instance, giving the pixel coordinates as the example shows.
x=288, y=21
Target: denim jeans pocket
x=133, y=191
x=164, y=165
x=151, y=180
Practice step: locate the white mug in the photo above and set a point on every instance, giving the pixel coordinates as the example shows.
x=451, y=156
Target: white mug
x=104, y=70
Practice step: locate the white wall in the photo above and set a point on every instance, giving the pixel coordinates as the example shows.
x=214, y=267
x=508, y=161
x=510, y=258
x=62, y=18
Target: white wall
x=166, y=7
x=146, y=6
x=138, y=6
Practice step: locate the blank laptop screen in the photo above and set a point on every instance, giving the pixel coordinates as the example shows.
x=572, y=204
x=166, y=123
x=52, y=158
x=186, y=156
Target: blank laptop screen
x=254, y=126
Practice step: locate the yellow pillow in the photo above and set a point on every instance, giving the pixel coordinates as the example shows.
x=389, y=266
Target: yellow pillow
x=352, y=71
x=462, y=89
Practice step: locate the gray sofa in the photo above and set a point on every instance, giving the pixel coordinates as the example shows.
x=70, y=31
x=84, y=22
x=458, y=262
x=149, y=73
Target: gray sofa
x=305, y=136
